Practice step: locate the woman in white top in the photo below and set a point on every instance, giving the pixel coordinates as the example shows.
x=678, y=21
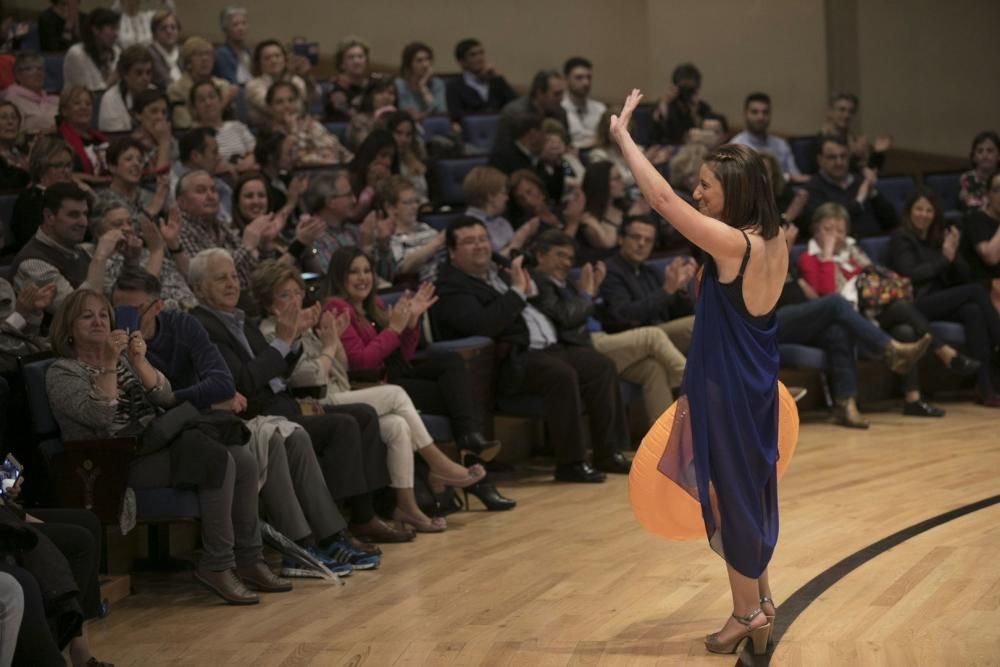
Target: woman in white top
x=134, y=27
x=91, y=63
x=270, y=65
x=135, y=71
x=236, y=142
x=166, y=54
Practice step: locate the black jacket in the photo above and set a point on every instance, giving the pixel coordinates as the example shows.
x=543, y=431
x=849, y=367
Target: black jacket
x=875, y=217
x=926, y=267
x=464, y=100
x=568, y=309
x=635, y=297
x=509, y=158
x=252, y=373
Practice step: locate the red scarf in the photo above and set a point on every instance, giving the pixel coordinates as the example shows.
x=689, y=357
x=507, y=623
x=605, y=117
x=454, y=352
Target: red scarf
x=75, y=142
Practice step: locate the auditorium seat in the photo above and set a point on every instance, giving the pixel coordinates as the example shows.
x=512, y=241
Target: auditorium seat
x=339, y=129
x=436, y=126
x=877, y=249
x=440, y=221
x=896, y=189
x=448, y=178
x=804, y=150
x=54, y=73
x=480, y=131
x=946, y=187
x=642, y=124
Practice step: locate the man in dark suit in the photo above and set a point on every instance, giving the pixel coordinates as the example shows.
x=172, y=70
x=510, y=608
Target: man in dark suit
x=523, y=150
x=475, y=300
x=544, y=98
x=480, y=90
x=346, y=438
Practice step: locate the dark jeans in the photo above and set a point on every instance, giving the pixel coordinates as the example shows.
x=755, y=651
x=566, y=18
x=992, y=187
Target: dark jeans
x=970, y=305
x=906, y=323
x=77, y=535
x=440, y=386
x=572, y=379
x=36, y=645
x=832, y=323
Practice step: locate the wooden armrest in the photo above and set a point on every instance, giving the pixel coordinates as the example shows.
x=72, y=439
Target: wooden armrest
x=93, y=474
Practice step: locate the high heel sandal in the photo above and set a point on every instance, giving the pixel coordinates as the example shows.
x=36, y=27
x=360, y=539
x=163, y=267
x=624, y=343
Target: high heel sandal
x=474, y=474
x=436, y=524
x=488, y=496
x=757, y=635
x=770, y=619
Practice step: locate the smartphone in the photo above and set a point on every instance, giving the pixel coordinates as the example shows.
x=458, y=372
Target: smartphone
x=127, y=318
x=10, y=471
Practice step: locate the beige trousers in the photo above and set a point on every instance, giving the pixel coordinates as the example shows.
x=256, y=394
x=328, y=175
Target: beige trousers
x=648, y=357
x=402, y=429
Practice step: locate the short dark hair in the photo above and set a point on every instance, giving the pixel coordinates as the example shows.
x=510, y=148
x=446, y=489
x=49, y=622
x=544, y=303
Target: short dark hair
x=135, y=279
x=686, y=71
x=268, y=148
x=829, y=139
x=259, y=49
x=411, y=51
x=133, y=55
x=523, y=123
x=549, y=239
x=987, y=135
x=147, y=97
x=756, y=97
x=102, y=17
x=278, y=85
x=463, y=222
x=194, y=140
x=633, y=219
x=57, y=193
x=850, y=97
x=540, y=82
x=574, y=62
x=719, y=117
x=464, y=46
x=119, y=146
x=198, y=86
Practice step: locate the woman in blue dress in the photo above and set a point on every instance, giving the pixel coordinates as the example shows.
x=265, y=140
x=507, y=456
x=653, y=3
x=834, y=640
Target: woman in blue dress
x=727, y=427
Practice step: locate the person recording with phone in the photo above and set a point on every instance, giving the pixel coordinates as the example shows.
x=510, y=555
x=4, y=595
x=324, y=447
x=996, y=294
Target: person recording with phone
x=681, y=107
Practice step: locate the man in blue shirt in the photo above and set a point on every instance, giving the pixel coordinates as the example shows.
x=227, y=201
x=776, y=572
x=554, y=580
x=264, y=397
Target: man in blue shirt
x=757, y=118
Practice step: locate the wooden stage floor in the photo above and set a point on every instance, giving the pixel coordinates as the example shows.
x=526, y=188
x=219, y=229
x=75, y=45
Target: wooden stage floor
x=569, y=578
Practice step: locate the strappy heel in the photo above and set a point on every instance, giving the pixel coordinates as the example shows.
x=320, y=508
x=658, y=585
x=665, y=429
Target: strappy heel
x=756, y=635
x=770, y=619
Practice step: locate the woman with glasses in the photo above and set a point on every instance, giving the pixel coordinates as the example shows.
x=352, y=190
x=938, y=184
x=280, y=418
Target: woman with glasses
x=50, y=161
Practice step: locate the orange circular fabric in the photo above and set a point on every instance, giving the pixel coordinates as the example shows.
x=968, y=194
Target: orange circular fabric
x=667, y=510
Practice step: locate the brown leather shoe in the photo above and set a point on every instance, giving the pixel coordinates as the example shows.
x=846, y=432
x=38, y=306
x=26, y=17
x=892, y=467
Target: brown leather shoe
x=377, y=530
x=258, y=577
x=845, y=413
x=901, y=357
x=226, y=585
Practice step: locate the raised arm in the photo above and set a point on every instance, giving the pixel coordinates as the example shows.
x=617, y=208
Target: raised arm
x=713, y=236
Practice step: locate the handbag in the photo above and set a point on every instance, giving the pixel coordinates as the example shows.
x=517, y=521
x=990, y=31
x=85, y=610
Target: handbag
x=160, y=432
x=879, y=287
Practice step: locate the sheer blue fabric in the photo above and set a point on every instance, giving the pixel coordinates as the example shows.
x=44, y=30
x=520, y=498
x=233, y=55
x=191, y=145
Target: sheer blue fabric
x=724, y=442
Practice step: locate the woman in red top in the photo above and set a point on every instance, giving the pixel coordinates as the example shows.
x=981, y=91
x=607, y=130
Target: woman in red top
x=831, y=264
x=381, y=337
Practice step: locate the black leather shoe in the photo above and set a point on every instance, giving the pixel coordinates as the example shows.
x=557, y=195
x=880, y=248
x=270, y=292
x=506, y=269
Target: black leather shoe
x=963, y=365
x=616, y=463
x=477, y=445
x=489, y=496
x=921, y=408
x=581, y=472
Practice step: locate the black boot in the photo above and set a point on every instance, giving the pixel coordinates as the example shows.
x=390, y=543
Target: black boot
x=478, y=446
x=489, y=496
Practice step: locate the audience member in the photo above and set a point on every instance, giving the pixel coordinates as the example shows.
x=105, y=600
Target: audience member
x=558, y=151
x=415, y=247
x=352, y=80
x=330, y=198
x=606, y=209
x=606, y=150
x=346, y=437
x=418, y=91
x=274, y=153
x=104, y=386
x=643, y=355
x=76, y=112
x=21, y=317
x=61, y=25
x=480, y=89
x=635, y=294
x=713, y=131
x=544, y=99
x=198, y=150
x=11, y=614
x=135, y=27
x=476, y=300
x=871, y=213
x=293, y=495
x=270, y=65
x=832, y=323
x=681, y=107
x=377, y=102
x=410, y=150
x=91, y=62
x=485, y=190
x=125, y=166
x=528, y=199
x=830, y=265
x=523, y=148
x=165, y=50
x=582, y=112
x=54, y=256
x=198, y=200
x=685, y=169
x=791, y=201
x=50, y=162
x=974, y=184
x=843, y=107
x=135, y=74
x=197, y=59
x=38, y=108
x=236, y=141
x=153, y=132
x=312, y=144
x=13, y=162
x=232, y=59
x=757, y=118
x=376, y=161
x=927, y=251
x=981, y=236
x=252, y=199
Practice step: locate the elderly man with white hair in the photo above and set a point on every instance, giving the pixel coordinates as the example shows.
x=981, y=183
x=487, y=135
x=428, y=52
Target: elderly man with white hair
x=346, y=438
x=232, y=59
